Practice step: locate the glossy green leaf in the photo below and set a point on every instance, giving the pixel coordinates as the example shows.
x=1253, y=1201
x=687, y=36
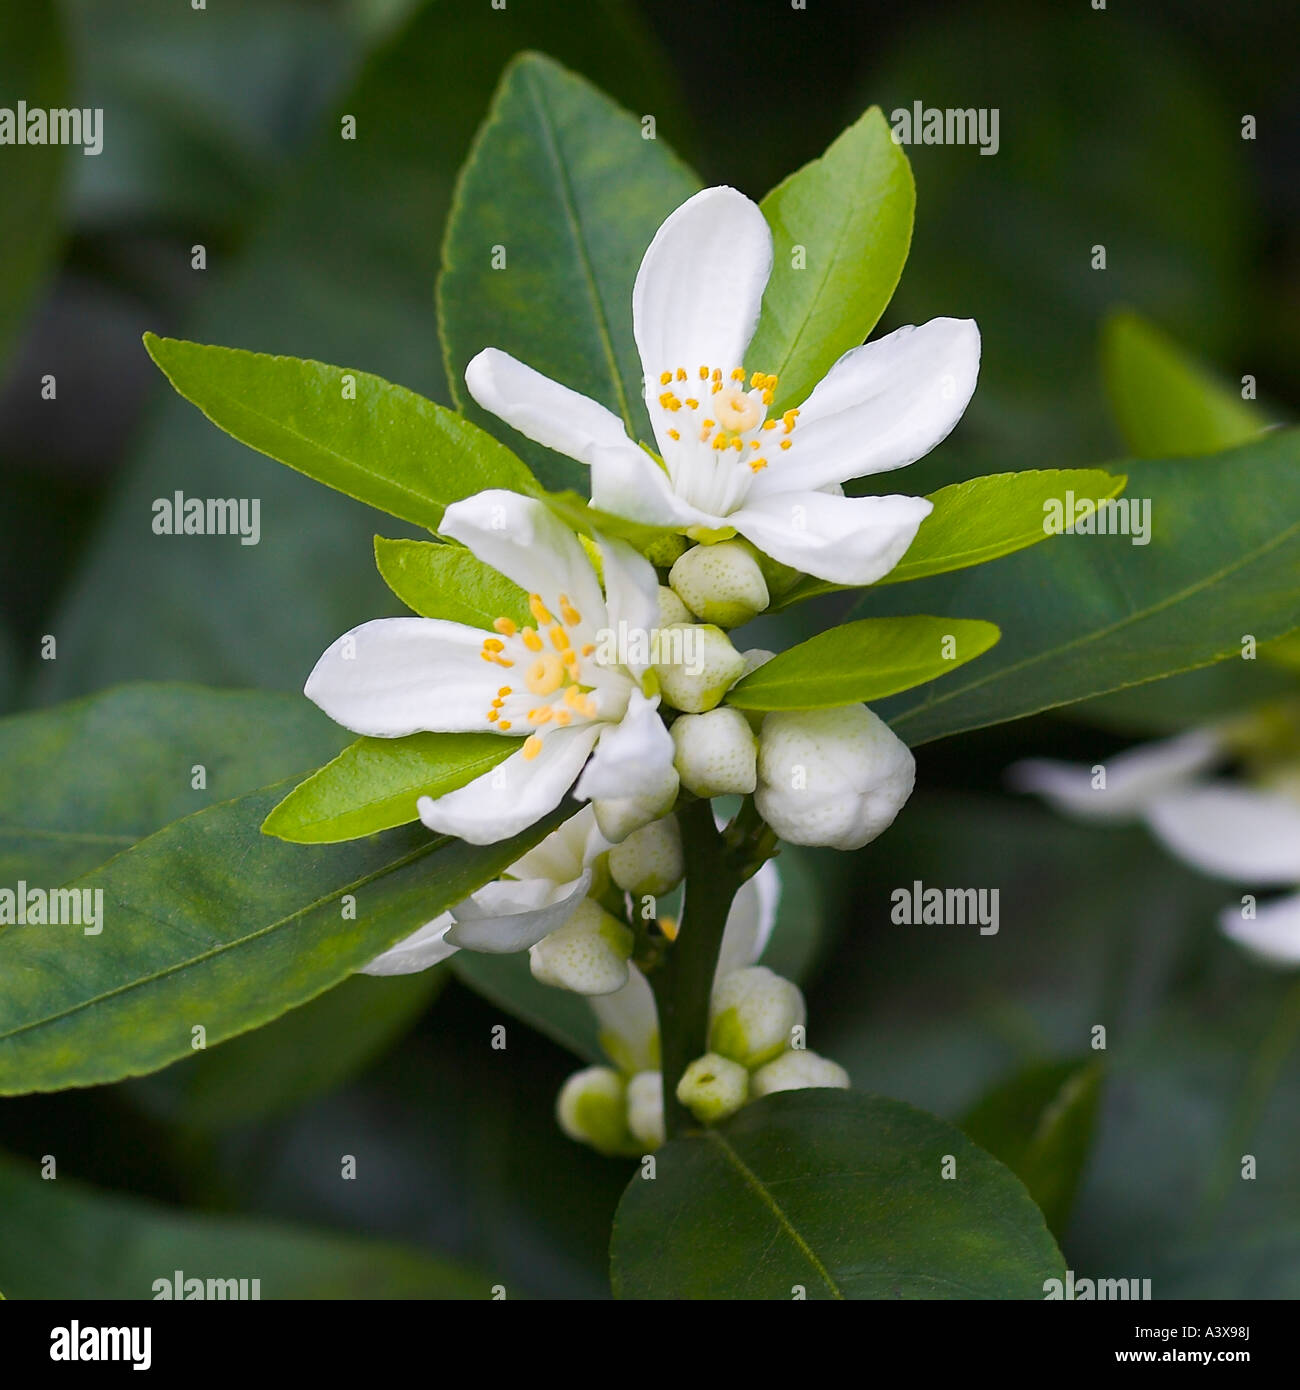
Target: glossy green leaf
x=374, y=784
x=835, y=1194
x=1164, y=401
x=562, y=184
x=851, y=213
x=1094, y=613
x=64, y=1240
x=209, y=923
x=1040, y=1124
x=446, y=581
x=34, y=68
x=863, y=661
x=305, y=1053
x=352, y=431
x=83, y=781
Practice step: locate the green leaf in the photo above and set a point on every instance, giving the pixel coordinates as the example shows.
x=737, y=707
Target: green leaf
x=839, y=1194
x=661, y=543
x=211, y=923
x=851, y=212
x=1091, y=614
x=1040, y=1124
x=561, y=178
x=1165, y=402
x=33, y=66
x=979, y=520
x=64, y=1240
x=446, y=581
x=863, y=661
x=83, y=781
x=305, y=1053
x=507, y=981
x=384, y=445
x=374, y=784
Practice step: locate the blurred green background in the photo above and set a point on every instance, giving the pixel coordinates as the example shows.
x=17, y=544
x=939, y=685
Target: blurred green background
x=1119, y=127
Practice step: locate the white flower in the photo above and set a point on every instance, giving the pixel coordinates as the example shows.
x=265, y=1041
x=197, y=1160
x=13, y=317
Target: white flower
x=726, y=466
x=537, y=895
x=834, y=777
x=544, y=685
x=798, y=1070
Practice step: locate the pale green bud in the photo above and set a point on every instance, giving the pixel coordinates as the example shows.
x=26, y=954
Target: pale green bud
x=708, y=668
x=592, y=1108
x=712, y=1088
x=753, y=1014
x=649, y=861
x=671, y=609
x=645, y=1108
x=588, y=954
x=797, y=1070
x=721, y=583
x=716, y=753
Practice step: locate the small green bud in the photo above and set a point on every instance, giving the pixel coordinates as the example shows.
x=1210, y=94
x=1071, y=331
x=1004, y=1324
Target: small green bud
x=752, y=1015
x=645, y=1108
x=649, y=861
x=721, y=583
x=588, y=954
x=716, y=753
x=797, y=1070
x=708, y=668
x=592, y=1108
x=712, y=1088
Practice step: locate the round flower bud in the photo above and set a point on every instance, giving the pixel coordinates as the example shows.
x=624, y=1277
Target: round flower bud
x=716, y=753
x=671, y=609
x=798, y=1070
x=752, y=1015
x=721, y=583
x=592, y=1108
x=645, y=1108
x=834, y=777
x=649, y=861
x=617, y=817
x=588, y=954
x=704, y=667
x=712, y=1087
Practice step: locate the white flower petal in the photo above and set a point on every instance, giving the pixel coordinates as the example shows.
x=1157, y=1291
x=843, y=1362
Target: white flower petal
x=1134, y=778
x=513, y=915
x=516, y=793
x=633, y=759
x=1231, y=832
x=1273, y=935
x=881, y=406
x=631, y=484
x=629, y=1024
x=565, y=852
x=750, y=921
x=423, y=948
x=700, y=286
x=844, y=540
x=524, y=540
x=542, y=409
x=397, y=676
x=631, y=594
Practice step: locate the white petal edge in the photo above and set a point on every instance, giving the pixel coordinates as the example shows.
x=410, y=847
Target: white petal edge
x=1272, y=936
x=750, y=921
x=632, y=485
x=1230, y=831
x=633, y=758
x=424, y=947
x=511, y=915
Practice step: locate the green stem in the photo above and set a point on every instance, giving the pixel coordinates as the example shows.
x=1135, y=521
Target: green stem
x=684, y=982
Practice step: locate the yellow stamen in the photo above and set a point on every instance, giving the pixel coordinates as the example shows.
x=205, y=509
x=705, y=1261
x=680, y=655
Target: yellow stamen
x=589, y=649
x=668, y=926
x=560, y=639
x=681, y=373
x=505, y=627
x=531, y=640
x=540, y=715
x=493, y=715
x=738, y=374
x=692, y=402
x=532, y=747
x=563, y=717
x=503, y=725
x=704, y=374
x=538, y=610
x=758, y=465
x=504, y=691
x=568, y=612
x=785, y=443
x=493, y=644
x=665, y=378
x=672, y=434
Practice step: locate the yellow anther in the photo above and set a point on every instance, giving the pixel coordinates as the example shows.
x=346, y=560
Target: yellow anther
x=589, y=649
x=681, y=373
x=493, y=644
x=754, y=444
x=769, y=424
x=704, y=374
x=719, y=441
x=504, y=691
x=672, y=434
x=568, y=612
x=767, y=398
x=665, y=378
x=573, y=696
x=560, y=639
x=785, y=443
x=668, y=925
x=563, y=717
x=538, y=610
x=692, y=402
x=717, y=386
x=505, y=627
x=738, y=374
x=540, y=715
x=708, y=424
x=531, y=640
x=498, y=702
x=758, y=465
x=532, y=747
x=788, y=420
x=738, y=445
x=503, y=725
x=493, y=715
x=717, y=373
x=545, y=675
x=758, y=379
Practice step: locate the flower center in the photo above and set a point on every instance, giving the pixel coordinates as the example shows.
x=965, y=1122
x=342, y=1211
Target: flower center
x=553, y=689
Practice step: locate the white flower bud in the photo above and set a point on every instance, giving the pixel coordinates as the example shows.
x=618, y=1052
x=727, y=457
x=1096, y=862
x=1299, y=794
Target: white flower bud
x=672, y=610
x=798, y=1070
x=712, y=1087
x=645, y=1108
x=649, y=861
x=592, y=1108
x=834, y=777
x=710, y=666
x=716, y=753
x=752, y=1015
x=588, y=954
x=619, y=816
x=721, y=583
